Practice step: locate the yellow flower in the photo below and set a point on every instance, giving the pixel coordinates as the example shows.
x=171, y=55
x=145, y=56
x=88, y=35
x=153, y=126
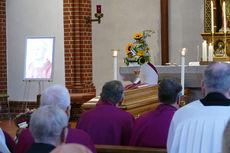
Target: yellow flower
x=138, y=36
x=141, y=53
x=129, y=47
x=147, y=48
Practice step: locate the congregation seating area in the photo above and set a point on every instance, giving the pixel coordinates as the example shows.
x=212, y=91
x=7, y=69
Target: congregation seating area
x=10, y=127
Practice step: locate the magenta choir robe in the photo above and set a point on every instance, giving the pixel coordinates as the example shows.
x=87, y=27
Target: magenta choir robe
x=151, y=129
x=25, y=140
x=107, y=124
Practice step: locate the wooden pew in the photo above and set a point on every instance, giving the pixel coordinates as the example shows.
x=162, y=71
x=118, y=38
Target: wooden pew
x=128, y=149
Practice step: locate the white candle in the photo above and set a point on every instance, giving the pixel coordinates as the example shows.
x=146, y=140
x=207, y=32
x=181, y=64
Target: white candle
x=204, y=51
x=224, y=13
x=115, y=53
x=182, y=68
x=212, y=17
x=210, y=52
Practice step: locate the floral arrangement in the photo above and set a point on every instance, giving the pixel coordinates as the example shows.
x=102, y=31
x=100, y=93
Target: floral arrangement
x=139, y=51
x=24, y=117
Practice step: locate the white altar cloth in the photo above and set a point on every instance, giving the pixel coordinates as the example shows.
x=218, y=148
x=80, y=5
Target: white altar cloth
x=193, y=74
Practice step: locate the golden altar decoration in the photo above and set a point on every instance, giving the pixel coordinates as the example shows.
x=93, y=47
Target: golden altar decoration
x=218, y=38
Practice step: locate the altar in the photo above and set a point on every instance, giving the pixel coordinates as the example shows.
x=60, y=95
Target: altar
x=193, y=77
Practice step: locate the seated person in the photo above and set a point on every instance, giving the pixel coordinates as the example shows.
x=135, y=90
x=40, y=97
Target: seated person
x=226, y=139
x=71, y=148
x=151, y=129
x=48, y=126
x=198, y=126
x=107, y=124
x=59, y=96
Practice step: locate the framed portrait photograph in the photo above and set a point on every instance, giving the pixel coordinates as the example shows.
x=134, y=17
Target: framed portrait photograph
x=39, y=58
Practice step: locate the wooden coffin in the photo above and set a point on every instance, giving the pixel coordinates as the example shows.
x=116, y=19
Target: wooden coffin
x=136, y=101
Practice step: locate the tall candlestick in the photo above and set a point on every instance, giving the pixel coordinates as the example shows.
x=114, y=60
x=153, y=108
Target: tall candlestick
x=224, y=13
x=210, y=52
x=204, y=51
x=182, y=68
x=115, y=53
x=212, y=17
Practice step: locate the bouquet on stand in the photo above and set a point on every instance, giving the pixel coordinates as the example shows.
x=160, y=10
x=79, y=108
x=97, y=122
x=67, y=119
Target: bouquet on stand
x=139, y=51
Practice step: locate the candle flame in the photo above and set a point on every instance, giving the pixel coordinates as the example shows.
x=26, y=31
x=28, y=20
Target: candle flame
x=115, y=53
x=183, y=52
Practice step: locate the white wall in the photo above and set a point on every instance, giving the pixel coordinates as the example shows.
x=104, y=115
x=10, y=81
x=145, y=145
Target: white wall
x=122, y=19
x=32, y=18
x=185, y=26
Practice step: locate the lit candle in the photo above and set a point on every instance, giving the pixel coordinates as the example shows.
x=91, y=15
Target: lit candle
x=204, y=51
x=210, y=52
x=98, y=8
x=115, y=53
x=212, y=18
x=183, y=52
x=224, y=13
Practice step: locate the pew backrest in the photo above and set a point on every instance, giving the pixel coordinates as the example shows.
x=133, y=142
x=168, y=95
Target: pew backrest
x=128, y=149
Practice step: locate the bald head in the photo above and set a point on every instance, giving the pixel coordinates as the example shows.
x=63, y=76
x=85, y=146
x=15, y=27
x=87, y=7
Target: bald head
x=217, y=78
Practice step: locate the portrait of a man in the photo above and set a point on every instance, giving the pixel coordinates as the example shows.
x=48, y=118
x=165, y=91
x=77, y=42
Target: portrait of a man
x=39, y=55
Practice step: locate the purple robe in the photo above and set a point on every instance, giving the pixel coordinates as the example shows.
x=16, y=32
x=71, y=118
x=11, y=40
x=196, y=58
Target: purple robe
x=25, y=140
x=151, y=129
x=9, y=141
x=107, y=124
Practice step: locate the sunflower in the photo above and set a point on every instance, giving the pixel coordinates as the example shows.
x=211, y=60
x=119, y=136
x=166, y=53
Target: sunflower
x=141, y=60
x=148, y=48
x=138, y=36
x=140, y=53
x=129, y=47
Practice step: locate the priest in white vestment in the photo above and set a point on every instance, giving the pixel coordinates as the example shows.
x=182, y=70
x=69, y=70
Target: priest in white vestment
x=198, y=127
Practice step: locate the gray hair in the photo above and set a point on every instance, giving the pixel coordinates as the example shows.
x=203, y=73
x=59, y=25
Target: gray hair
x=47, y=123
x=168, y=91
x=217, y=77
x=57, y=95
x=112, y=91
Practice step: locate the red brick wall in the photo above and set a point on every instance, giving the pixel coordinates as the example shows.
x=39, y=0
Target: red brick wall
x=78, y=46
x=3, y=57
x=3, y=64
